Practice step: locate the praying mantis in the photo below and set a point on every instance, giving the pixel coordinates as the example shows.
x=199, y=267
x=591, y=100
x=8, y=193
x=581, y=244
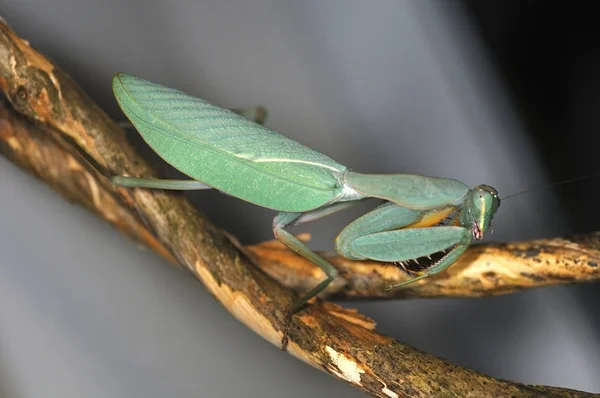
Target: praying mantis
x=424, y=225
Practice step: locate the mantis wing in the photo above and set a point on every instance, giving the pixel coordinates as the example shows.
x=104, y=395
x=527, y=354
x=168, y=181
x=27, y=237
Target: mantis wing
x=226, y=151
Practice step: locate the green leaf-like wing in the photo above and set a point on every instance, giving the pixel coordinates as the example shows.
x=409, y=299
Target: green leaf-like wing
x=227, y=151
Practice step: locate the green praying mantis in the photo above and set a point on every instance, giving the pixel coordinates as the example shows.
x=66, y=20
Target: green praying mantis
x=424, y=225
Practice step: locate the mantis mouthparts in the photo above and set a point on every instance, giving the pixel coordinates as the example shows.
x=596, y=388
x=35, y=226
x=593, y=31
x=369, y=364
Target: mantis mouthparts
x=477, y=233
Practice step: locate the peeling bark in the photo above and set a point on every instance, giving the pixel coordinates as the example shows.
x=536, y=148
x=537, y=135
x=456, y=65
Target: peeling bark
x=49, y=114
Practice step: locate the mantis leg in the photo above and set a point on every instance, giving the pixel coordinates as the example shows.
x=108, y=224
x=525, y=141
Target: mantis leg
x=281, y=221
x=438, y=247
x=288, y=219
x=258, y=114
x=135, y=182
x=385, y=217
x=313, y=215
x=177, y=185
x=410, y=243
x=125, y=124
x=447, y=261
x=393, y=233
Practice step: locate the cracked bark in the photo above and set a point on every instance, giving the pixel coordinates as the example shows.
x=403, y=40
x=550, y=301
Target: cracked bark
x=488, y=269
x=47, y=114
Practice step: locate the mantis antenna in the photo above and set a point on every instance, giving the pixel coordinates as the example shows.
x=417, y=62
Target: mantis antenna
x=553, y=185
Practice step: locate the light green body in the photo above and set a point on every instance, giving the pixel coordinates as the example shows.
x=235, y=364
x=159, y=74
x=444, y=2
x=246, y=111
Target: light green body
x=221, y=149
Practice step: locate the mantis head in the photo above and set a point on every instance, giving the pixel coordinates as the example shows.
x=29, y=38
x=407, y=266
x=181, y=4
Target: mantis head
x=479, y=208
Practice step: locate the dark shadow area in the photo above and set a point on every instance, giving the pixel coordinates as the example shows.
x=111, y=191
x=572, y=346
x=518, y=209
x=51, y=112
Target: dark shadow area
x=548, y=55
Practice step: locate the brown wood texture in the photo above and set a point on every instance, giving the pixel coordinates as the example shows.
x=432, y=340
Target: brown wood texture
x=47, y=114
x=485, y=270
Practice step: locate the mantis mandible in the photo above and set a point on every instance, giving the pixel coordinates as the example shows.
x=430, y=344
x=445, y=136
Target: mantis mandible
x=424, y=226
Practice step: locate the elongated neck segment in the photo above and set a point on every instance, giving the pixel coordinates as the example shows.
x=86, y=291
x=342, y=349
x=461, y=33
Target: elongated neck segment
x=408, y=190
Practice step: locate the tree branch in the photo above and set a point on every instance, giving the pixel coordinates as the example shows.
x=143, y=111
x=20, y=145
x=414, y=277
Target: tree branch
x=485, y=270
x=50, y=114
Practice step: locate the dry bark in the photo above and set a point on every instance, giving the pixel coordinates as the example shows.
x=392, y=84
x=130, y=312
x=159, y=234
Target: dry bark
x=485, y=270
x=49, y=114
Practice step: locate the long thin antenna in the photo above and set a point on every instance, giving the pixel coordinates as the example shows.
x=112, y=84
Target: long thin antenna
x=552, y=185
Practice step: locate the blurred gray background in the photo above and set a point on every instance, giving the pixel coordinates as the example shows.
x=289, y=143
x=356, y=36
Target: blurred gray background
x=386, y=86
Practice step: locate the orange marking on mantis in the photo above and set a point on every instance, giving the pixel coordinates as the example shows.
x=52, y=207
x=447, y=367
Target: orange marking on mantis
x=433, y=217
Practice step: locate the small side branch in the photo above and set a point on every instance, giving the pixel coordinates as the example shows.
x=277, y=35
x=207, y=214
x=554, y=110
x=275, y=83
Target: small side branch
x=485, y=270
